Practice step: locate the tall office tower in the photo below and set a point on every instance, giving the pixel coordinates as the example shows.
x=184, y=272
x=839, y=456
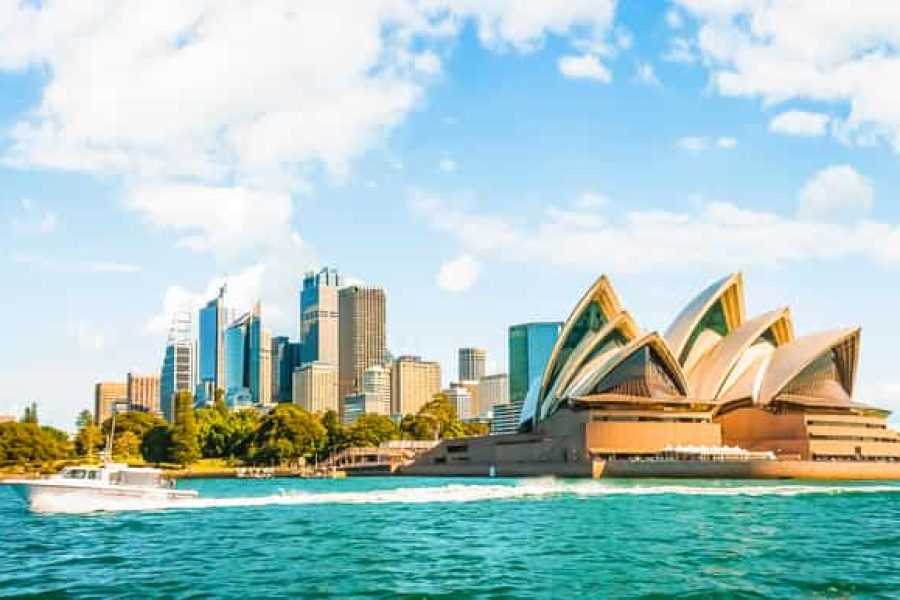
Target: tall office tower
x=530, y=345
x=179, y=364
x=471, y=364
x=414, y=383
x=493, y=390
x=315, y=387
x=285, y=355
x=361, y=335
x=106, y=395
x=376, y=380
x=248, y=365
x=319, y=317
x=143, y=392
x=211, y=348
x=265, y=368
x=460, y=399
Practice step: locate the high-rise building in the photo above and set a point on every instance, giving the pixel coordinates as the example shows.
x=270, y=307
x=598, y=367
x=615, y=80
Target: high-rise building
x=211, y=346
x=376, y=380
x=361, y=335
x=315, y=387
x=319, y=317
x=493, y=390
x=248, y=368
x=143, y=392
x=530, y=346
x=285, y=356
x=353, y=406
x=471, y=364
x=106, y=395
x=459, y=398
x=414, y=383
x=179, y=365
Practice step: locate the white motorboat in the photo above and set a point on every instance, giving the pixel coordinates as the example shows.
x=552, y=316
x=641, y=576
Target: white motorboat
x=110, y=486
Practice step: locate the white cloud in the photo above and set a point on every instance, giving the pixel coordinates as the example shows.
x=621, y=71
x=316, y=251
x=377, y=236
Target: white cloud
x=584, y=67
x=644, y=74
x=726, y=143
x=674, y=19
x=776, y=51
x=591, y=200
x=447, y=165
x=30, y=220
x=716, y=236
x=696, y=144
x=801, y=123
x=680, y=50
x=459, y=274
x=836, y=191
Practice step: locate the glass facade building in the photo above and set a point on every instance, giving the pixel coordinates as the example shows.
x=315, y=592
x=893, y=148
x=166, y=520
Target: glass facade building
x=211, y=341
x=247, y=361
x=530, y=346
x=319, y=317
x=285, y=356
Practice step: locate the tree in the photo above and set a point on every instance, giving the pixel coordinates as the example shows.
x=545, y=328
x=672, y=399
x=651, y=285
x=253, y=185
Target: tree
x=127, y=445
x=137, y=422
x=84, y=419
x=475, y=429
x=287, y=433
x=335, y=433
x=372, y=430
x=185, y=448
x=30, y=415
x=28, y=442
x=436, y=420
x=156, y=446
x=88, y=440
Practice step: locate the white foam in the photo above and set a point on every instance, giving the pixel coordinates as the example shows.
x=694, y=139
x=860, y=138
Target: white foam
x=458, y=493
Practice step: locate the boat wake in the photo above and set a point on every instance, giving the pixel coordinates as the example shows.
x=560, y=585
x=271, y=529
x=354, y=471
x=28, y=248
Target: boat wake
x=532, y=489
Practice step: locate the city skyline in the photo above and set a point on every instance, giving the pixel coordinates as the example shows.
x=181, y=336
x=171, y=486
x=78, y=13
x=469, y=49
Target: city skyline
x=430, y=167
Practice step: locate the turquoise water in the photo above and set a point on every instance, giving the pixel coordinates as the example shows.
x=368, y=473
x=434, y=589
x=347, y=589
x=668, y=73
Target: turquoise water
x=465, y=538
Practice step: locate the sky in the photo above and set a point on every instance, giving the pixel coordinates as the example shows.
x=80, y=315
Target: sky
x=483, y=161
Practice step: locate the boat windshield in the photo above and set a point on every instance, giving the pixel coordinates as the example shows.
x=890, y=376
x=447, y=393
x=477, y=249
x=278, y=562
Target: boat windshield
x=81, y=474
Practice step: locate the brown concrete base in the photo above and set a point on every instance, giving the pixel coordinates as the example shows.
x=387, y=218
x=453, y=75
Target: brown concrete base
x=766, y=469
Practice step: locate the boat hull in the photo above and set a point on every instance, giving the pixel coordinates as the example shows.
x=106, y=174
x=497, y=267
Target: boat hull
x=48, y=496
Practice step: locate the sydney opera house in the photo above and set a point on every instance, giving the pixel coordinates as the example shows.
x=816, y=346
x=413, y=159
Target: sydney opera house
x=718, y=395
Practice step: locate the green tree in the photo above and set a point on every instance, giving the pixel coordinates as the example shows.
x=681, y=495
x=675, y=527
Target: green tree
x=137, y=422
x=127, y=445
x=286, y=434
x=28, y=442
x=156, y=446
x=436, y=420
x=84, y=419
x=372, y=430
x=88, y=440
x=335, y=433
x=185, y=447
x=30, y=415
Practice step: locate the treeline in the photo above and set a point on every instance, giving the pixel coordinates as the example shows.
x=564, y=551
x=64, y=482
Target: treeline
x=26, y=441
x=285, y=435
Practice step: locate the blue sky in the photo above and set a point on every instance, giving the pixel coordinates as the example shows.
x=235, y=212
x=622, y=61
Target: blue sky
x=483, y=161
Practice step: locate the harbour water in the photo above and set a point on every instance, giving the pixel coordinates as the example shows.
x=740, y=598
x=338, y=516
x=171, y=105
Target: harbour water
x=467, y=538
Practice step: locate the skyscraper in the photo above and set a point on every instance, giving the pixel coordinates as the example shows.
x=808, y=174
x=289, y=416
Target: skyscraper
x=414, y=383
x=460, y=399
x=319, y=317
x=493, y=390
x=361, y=335
x=248, y=365
x=315, y=387
x=471, y=364
x=211, y=347
x=530, y=345
x=179, y=367
x=285, y=355
x=143, y=392
x=106, y=394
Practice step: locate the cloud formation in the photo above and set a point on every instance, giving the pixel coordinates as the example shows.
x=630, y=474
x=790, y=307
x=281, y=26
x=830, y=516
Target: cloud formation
x=800, y=123
x=836, y=191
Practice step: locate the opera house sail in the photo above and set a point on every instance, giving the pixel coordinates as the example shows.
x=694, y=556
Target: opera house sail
x=719, y=394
